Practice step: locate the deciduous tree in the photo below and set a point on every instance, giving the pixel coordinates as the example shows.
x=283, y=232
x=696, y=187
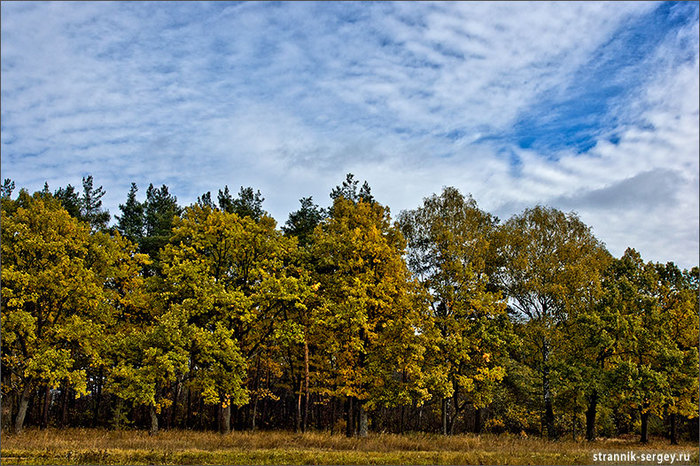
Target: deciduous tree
x=550, y=261
x=370, y=332
x=450, y=249
x=57, y=295
x=225, y=276
x=655, y=365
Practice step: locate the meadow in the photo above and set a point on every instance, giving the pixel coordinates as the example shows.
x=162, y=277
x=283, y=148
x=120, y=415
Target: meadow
x=100, y=446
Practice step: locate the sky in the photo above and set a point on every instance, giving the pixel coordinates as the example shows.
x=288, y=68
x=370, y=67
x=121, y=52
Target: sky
x=589, y=107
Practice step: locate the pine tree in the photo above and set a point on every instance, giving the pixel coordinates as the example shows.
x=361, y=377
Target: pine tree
x=91, y=205
x=348, y=190
x=6, y=189
x=70, y=200
x=160, y=210
x=131, y=223
x=301, y=223
x=249, y=204
x=225, y=200
x=205, y=200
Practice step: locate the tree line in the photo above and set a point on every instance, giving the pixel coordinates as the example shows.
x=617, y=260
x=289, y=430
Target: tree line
x=444, y=319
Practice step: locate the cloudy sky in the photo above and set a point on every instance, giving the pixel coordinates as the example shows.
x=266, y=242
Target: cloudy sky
x=583, y=106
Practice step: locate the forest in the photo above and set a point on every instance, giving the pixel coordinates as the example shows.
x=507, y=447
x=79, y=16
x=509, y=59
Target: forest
x=444, y=319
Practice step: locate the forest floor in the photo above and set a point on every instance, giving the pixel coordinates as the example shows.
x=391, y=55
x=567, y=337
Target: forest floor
x=99, y=446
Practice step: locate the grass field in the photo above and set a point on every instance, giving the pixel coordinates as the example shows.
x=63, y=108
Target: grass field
x=94, y=446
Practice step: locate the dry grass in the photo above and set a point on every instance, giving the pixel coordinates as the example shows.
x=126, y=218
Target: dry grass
x=95, y=446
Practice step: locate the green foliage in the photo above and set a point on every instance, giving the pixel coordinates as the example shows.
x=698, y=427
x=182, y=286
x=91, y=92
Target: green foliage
x=450, y=246
x=445, y=320
x=225, y=277
x=160, y=210
x=301, y=223
x=46, y=284
x=655, y=363
x=7, y=187
x=69, y=200
x=56, y=294
x=247, y=204
x=145, y=359
x=551, y=272
x=131, y=223
x=91, y=205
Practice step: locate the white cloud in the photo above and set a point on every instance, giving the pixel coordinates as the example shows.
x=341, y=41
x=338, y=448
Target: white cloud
x=289, y=97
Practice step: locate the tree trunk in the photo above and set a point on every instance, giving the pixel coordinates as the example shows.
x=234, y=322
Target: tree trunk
x=117, y=414
x=477, y=420
x=200, y=412
x=245, y=416
x=7, y=405
x=674, y=434
x=445, y=407
x=306, y=386
x=188, y=418
x=64, y=405
x=173, y=408
x=319, y=413
x=45, y=409
x=297, y=428
x=22, y=410
x=255, y=412
x=98, y=399
x=590, y=415
x=154, y=421
x=549, y=417
x=333, y=402
x=257, y=388
x=645, y=426
x=225, y=425
x=547, y=393
x=350, y=419
x=455, y=409
x=420, y=418
x=262, y=410
x=362, y=412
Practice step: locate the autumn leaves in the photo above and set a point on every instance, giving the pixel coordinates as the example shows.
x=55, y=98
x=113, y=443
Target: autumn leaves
x=526, y=325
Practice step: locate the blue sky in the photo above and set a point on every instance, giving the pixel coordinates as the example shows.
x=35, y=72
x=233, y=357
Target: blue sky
x=584, y=106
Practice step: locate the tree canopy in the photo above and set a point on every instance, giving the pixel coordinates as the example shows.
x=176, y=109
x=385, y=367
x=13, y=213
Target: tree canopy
x=446, y=320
